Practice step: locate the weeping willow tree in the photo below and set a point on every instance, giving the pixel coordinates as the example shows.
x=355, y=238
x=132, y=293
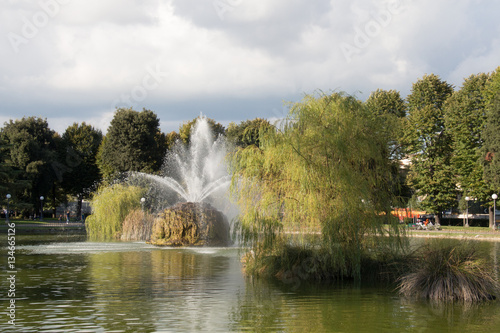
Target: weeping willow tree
x=325, y=169
x=110, y=206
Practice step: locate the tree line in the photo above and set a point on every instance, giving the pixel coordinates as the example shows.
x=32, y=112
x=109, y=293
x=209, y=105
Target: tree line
x=450, y=136
x=36, y=161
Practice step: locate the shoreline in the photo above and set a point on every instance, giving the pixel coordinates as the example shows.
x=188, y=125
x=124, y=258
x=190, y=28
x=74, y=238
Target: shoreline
x=491, y=236
x=26, y=228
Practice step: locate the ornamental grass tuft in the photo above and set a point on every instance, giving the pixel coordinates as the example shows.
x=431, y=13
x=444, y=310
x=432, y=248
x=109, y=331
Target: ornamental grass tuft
x=444, y=272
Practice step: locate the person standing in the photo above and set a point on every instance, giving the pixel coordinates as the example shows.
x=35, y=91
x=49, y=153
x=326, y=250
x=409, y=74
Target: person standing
x=67, y=217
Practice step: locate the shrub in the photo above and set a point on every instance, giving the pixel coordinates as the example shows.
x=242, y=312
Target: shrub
x=110, y=205
x=445, y=272
x=137, y=226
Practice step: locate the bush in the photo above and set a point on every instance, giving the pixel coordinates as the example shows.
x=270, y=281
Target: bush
x=137, y=226
x=110, y=205
x=297, y=263
x=445, y=272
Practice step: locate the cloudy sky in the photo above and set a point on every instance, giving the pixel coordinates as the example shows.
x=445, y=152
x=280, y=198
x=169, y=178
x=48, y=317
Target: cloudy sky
x=74, y=60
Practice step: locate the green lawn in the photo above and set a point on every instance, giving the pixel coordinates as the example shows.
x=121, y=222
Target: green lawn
x=45, y=221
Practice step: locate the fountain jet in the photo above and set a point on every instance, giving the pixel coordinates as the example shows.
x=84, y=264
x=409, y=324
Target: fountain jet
x=196, y=171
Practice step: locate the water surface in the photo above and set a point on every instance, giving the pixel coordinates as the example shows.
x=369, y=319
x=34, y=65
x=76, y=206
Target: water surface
x=70, y=285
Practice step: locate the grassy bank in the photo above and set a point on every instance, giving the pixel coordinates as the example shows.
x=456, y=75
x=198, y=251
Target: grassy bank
x=453, y=232
x=46, y=226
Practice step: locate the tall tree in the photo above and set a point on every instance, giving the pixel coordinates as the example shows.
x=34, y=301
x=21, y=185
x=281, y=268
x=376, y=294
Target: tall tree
x=81, y=143
x=464, y=120
x=491, y=135
x=11, y=180
x=134, y=142
x=386, y=102
x=32, y=149
x=389, y=109
x=248, y=132
x=429, y=145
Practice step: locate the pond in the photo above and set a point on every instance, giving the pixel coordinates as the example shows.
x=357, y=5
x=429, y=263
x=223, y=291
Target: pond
x=66, y=284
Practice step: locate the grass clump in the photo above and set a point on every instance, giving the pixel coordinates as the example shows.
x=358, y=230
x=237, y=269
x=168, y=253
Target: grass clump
x=444, y=272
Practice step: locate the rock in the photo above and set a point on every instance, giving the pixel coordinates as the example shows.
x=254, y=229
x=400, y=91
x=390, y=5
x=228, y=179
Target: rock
x=191, y=224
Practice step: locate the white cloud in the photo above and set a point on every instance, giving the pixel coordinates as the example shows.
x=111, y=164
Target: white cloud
x=90, y=54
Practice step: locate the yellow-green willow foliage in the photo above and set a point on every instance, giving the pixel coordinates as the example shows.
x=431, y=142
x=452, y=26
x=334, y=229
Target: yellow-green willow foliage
x=325, y=169
x=110, y=205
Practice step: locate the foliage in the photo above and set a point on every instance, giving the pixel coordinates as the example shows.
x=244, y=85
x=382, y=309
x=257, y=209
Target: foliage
x=464, y=115
x=445, y=272
x=491, y=134
x=137, y=226
x=186, y=127
x=11, y=181
x=248, y=132
x=110, y=205
x=386, y=102
x=297, y=263
x=134, y=142
x=390, y=109
x=81, y=143
x=325, y=171
x=170, y=139
x=294, y=264
x=429, y=144
x=32, y=150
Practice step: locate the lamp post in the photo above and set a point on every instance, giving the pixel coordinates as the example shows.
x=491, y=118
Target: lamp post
x=41, y=208
x=8, y=211
x=467, y=211
x=494, y=197
x=143, y=200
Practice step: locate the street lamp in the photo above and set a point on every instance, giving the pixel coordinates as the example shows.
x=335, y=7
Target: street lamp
x=8, y=211
x=467, y=211
x=494, y=197
x=41, y=208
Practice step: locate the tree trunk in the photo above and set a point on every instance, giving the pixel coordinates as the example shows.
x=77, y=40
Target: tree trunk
x=54, y=200
x=79, y=207
x=491, y=218
x=437, y=219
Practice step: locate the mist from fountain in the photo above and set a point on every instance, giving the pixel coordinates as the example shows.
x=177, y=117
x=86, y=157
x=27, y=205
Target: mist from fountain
x=196, y=172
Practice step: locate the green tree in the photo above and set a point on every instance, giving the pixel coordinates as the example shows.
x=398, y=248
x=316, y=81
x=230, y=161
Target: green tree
x=186, y=127
x=491, y=136
x=81, y=143
x=33, y=150
x=390, y=109
x=465, y=119
x=385, y=103
x=248, y=132
x=11, y=181
x=170, y=139
x=324, y=171
x=134, y=142
x=429, y=145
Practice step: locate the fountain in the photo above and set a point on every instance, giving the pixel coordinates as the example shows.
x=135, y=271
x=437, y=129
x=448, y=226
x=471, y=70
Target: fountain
x=196, y=179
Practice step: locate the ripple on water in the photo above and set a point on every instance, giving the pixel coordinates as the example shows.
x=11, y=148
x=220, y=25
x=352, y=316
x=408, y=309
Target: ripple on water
x=86, y=247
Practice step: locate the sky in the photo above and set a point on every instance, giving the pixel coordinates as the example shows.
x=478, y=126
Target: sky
x=77, y=61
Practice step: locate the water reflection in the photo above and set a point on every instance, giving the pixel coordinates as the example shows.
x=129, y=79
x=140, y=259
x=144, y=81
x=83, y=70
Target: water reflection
x=133, y=287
